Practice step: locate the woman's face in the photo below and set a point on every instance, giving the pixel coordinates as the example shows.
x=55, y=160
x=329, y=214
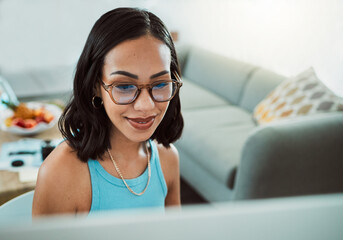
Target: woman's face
x=141, y=61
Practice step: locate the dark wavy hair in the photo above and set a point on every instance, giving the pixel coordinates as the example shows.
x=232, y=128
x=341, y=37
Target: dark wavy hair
x=86, y=129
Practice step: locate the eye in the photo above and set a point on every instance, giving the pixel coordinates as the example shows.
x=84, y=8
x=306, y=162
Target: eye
x=160, y=85
x=125, y=87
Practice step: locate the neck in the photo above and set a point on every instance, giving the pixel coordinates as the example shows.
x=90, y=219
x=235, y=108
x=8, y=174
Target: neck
x=122, y=149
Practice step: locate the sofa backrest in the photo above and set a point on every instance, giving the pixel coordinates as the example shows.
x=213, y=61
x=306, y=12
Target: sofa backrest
x=221, y=75
x=259, y=85
x=239, y=83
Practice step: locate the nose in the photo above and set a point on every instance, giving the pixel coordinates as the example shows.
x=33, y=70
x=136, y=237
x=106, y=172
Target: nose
x=144, y=102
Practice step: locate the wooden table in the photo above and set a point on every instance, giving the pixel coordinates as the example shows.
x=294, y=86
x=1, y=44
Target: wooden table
x=10, y=185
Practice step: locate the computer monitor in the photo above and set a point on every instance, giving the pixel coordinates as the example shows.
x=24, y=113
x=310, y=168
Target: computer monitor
x=310, y=217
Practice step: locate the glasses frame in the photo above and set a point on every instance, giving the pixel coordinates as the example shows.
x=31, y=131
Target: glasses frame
x=108, y=89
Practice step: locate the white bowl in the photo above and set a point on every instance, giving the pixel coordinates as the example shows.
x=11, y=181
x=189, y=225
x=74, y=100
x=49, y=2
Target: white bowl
x=40, y=127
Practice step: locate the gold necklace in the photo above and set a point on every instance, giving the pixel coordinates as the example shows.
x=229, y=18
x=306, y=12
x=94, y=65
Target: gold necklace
x=122, y=178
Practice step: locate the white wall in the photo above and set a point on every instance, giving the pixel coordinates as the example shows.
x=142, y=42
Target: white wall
x=284, y=36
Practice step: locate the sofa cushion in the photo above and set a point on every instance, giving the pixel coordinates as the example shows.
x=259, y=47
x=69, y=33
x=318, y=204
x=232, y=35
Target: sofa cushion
x=223, y=76
x=214, y=138
x=302, y=95
x=194, y=96
x=202, y=181
x=258, y=86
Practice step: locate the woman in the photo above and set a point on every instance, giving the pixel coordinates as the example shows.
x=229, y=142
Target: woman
x=120, y=123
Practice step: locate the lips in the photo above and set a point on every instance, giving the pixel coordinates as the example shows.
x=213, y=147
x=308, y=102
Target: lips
x=141, y=123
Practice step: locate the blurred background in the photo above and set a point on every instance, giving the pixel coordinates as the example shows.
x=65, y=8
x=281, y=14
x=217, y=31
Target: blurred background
x=284, y=36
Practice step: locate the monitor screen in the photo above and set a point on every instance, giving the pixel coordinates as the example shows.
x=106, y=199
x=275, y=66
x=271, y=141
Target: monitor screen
x=309, y=217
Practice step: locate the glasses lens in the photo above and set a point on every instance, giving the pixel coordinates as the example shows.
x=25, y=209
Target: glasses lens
x=163, y=91
x=124, y=93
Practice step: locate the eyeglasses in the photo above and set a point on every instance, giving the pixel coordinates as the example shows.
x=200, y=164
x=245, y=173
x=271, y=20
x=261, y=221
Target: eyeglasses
x=126, y=93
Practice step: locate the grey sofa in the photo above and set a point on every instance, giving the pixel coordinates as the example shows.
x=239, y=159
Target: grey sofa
x=225, y=155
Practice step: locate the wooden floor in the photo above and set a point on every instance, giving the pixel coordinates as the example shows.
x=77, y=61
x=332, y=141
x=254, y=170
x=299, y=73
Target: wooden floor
x=189, y=195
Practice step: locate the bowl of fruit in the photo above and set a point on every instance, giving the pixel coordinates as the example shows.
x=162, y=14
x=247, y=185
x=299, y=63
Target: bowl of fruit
x=29, y=118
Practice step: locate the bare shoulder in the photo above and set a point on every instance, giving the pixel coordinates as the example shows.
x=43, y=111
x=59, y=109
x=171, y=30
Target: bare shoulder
x=169, y=158
x=58, y=179
x=60, y=165
x=61, y=159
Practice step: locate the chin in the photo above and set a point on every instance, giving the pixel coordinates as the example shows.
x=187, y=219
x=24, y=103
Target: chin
x=140, y=137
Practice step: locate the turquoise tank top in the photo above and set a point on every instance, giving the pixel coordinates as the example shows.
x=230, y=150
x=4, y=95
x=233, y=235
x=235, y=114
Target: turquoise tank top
x=110, y=193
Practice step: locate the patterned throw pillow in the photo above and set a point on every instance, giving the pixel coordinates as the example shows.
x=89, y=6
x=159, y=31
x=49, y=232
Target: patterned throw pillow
x=302, y=95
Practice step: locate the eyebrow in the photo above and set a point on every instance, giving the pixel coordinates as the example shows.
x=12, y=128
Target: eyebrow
x=159, y=74
x=125, y=74
x=131, y=75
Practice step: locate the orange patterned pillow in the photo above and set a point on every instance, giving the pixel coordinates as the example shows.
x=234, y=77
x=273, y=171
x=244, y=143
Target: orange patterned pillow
x=302, y=95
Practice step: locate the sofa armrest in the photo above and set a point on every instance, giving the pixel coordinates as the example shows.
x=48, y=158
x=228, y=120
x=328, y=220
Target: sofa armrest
x=298, y=157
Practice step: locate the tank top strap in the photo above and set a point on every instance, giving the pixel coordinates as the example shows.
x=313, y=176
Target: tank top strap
x=156, y=162
x=92, y=166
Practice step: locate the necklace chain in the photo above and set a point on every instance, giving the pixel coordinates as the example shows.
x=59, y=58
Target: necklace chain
x=121, y=175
